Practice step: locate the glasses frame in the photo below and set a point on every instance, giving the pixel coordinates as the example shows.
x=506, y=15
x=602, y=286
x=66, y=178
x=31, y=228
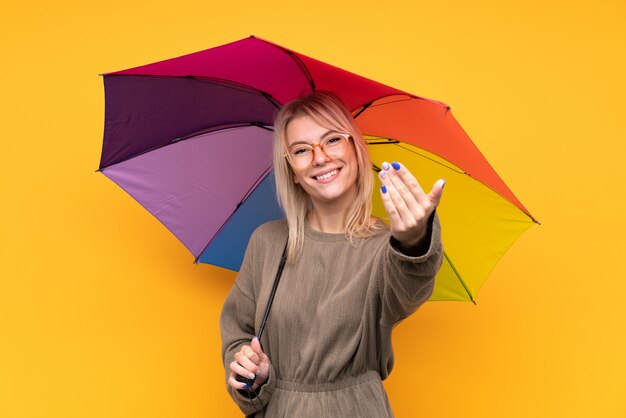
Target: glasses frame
x=320, y=144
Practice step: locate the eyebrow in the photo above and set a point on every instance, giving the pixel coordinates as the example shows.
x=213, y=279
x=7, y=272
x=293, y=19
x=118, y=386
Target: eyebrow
x=309, y=143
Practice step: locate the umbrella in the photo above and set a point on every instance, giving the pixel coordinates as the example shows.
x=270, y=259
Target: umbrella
x=190, y=139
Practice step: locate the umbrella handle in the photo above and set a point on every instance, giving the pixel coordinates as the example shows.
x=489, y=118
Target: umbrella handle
x=245, y=380
x=279, y=273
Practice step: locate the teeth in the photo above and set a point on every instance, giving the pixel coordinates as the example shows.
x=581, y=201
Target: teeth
x=327, y=175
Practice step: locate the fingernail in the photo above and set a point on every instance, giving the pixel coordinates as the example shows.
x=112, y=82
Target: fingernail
x=396, y=165
x=444, y=184
x=257, y=372
x=251, y=376
x=382, y=174
x=386, y=166
x=245, y=387
x=383, y=188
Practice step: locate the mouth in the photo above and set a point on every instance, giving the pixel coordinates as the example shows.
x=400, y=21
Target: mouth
x=328, y=176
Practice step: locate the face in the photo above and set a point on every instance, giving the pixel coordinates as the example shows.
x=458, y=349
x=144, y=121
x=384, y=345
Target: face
x=326, y=180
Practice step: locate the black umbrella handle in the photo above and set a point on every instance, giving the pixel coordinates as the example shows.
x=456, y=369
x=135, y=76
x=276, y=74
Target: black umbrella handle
x=279, y=273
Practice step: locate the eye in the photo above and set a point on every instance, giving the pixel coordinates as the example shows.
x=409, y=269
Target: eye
x=299, y=152
x=333, y=140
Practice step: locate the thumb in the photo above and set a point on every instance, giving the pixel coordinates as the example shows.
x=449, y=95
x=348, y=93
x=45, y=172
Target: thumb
x=256, y=346
x=435, y=193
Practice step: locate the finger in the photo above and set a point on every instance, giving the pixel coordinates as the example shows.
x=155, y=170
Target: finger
x=396, y=198
x=411, y=182
x=437, y=191
x=390, y=207
x=256, y=346
x=246, y=363
x=405, y=191
x=235, y=384
x=241, y=371
x=248, y=352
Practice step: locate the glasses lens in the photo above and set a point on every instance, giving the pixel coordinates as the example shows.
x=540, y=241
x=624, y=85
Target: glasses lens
x=301, y=155
x=335, y=146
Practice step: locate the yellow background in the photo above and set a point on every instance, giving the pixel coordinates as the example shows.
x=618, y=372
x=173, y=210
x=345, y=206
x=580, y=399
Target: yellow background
x=103, y=314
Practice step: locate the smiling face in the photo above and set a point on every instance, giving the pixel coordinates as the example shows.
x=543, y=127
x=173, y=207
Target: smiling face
x=326, y=180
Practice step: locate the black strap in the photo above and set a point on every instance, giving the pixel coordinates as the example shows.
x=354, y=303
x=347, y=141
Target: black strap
x=279, y=273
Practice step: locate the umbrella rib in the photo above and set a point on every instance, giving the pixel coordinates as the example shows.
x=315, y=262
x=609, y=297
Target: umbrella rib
x=294, y=57
x=408, y=97
x=303, y=67
x=458, y=275
x=222, y=82
x=362, y=109
x=243, y=199
x=470, y=176
x=458, y=170
x=233, y=84
x=398, y=143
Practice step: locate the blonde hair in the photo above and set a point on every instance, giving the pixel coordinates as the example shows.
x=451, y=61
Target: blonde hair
x=327, y=110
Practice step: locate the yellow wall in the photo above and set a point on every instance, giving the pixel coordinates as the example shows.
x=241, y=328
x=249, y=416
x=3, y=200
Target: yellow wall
x=103, y=314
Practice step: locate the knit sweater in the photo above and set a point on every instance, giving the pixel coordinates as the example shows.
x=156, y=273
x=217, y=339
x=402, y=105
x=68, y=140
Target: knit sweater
x=328, y=334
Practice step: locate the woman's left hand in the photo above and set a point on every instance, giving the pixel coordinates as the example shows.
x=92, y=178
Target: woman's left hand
x=408, y=207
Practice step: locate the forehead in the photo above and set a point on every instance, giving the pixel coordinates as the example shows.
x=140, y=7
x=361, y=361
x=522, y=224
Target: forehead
x=304, y=129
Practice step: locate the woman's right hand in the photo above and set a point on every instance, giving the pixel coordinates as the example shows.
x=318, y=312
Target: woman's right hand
x=249, y=361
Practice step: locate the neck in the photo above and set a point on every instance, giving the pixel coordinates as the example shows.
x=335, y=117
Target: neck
x=330, y=217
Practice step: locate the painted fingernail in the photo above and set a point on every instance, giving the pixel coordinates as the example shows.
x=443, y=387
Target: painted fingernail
x=383, y=188
x=444, y=184
x=382, y=175
x=251, y=376
x=386, y=166
x=245, y=387
x=396, y=165
x=257, y=372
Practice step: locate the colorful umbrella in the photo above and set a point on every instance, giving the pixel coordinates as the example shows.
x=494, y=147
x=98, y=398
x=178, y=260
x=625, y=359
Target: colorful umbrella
x=190, y=139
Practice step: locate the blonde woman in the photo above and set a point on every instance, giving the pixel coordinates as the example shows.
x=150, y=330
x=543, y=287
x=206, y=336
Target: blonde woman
x=348, y=279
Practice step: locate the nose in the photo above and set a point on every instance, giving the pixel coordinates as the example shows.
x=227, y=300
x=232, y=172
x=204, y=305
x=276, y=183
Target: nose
x=319, y=156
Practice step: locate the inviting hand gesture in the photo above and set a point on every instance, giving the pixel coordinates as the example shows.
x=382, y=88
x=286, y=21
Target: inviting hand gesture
x=408, y=207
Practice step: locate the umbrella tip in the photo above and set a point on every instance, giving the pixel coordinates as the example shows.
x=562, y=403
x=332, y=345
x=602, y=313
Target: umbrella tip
x=252, y=36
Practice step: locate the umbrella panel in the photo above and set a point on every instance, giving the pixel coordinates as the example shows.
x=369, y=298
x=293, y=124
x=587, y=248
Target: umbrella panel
x=146, y=113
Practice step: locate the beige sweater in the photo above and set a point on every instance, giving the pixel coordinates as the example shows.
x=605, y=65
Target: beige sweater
x=328, y=335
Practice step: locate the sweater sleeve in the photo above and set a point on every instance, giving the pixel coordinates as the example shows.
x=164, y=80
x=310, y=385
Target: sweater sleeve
x=237, y=329
x=406, y=282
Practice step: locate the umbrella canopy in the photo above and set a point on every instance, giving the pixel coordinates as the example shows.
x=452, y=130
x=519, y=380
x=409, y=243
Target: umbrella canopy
x=190, y=138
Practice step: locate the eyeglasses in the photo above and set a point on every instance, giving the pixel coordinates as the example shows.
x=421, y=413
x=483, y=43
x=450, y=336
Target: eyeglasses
x=334, y=145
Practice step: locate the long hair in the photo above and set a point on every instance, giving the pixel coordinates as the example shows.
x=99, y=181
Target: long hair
x=327, y=110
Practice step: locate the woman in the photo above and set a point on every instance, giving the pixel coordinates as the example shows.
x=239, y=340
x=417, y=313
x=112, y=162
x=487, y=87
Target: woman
x=348, y=280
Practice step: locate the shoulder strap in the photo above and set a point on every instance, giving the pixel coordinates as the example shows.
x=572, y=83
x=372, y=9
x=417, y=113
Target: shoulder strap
x=279, y=273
